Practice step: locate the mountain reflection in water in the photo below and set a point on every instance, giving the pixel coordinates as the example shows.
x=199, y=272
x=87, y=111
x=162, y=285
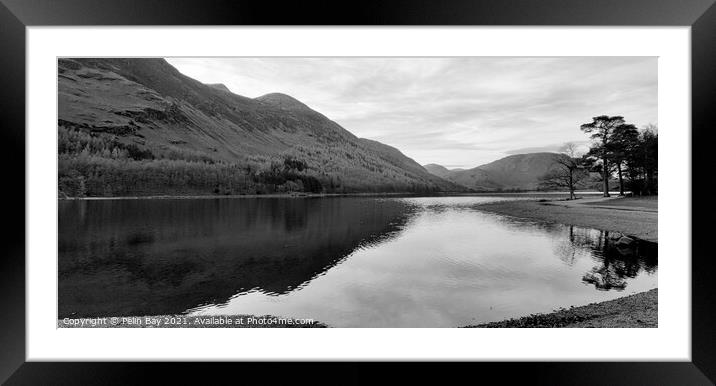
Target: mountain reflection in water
x=151, y=257
x=353, y=262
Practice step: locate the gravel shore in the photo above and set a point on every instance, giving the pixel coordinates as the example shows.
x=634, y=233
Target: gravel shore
x=635, y=311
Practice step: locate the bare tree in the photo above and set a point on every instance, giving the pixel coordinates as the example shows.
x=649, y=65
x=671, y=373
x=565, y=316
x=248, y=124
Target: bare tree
x=566, y=172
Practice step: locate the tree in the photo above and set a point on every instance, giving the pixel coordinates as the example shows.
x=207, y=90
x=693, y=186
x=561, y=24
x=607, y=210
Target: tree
x=642, y=162
x=624, y=139
x=650, y=145
x=602, y=129
x=566, y=172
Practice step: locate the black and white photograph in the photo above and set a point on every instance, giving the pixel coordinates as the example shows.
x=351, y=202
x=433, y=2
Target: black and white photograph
x=249, y=189
x=399, y=192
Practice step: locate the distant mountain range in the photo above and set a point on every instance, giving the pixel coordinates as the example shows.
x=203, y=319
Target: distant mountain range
x=140, y=127
x=515, y=172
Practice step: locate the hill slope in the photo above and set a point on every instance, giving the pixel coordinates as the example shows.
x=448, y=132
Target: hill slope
x=437, y=170
x=519, y=172
x=139, y=126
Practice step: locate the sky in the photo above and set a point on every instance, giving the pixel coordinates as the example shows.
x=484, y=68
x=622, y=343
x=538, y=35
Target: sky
x=458, y=112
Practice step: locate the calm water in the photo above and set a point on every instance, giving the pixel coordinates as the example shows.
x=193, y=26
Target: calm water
x=347, y=262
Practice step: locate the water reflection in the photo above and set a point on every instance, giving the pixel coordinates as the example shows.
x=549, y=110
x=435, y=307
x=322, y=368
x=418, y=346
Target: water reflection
x=618, y=258
x=348, y=262
x=140, y=257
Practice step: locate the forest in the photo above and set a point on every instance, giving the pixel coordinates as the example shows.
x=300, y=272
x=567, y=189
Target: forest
x=97, y=164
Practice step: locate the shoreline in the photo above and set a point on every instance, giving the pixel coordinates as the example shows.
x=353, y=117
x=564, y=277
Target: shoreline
x=634, y=221
x=233, y=196
x=634, y=311
x=320, y=195
x=638, y=310
x=631, y=217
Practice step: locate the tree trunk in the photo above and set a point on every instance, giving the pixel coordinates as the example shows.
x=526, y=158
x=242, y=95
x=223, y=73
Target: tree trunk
x=621, y=180
x=605, y=176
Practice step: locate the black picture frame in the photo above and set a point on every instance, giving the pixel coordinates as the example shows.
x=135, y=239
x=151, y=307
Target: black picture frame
x=16, y=15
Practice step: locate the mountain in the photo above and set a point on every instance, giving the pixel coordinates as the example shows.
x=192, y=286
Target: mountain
x=437, y=170
x=515, y=172
x=283, y=102
x=140, y=127
x=219, y=86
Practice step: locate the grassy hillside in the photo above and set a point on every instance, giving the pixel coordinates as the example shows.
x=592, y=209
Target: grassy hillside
x=437, y=170
x=139, y=127
x=516, y=172
x=519, y=171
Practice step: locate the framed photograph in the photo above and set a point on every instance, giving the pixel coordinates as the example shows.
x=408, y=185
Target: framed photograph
x=474, y=182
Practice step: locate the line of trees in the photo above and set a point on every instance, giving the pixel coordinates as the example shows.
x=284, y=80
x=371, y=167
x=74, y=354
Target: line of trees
x=96, y=164
x=619, y=150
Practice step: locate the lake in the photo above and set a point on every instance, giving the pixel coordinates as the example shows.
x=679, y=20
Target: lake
x=343, y=261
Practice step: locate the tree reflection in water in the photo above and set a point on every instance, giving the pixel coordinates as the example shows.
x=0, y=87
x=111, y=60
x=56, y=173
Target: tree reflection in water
x=616, y=261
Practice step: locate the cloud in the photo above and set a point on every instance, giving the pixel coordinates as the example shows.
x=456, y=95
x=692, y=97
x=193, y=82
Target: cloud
x=581, y=147
x=538, y=149
x=459, y=111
